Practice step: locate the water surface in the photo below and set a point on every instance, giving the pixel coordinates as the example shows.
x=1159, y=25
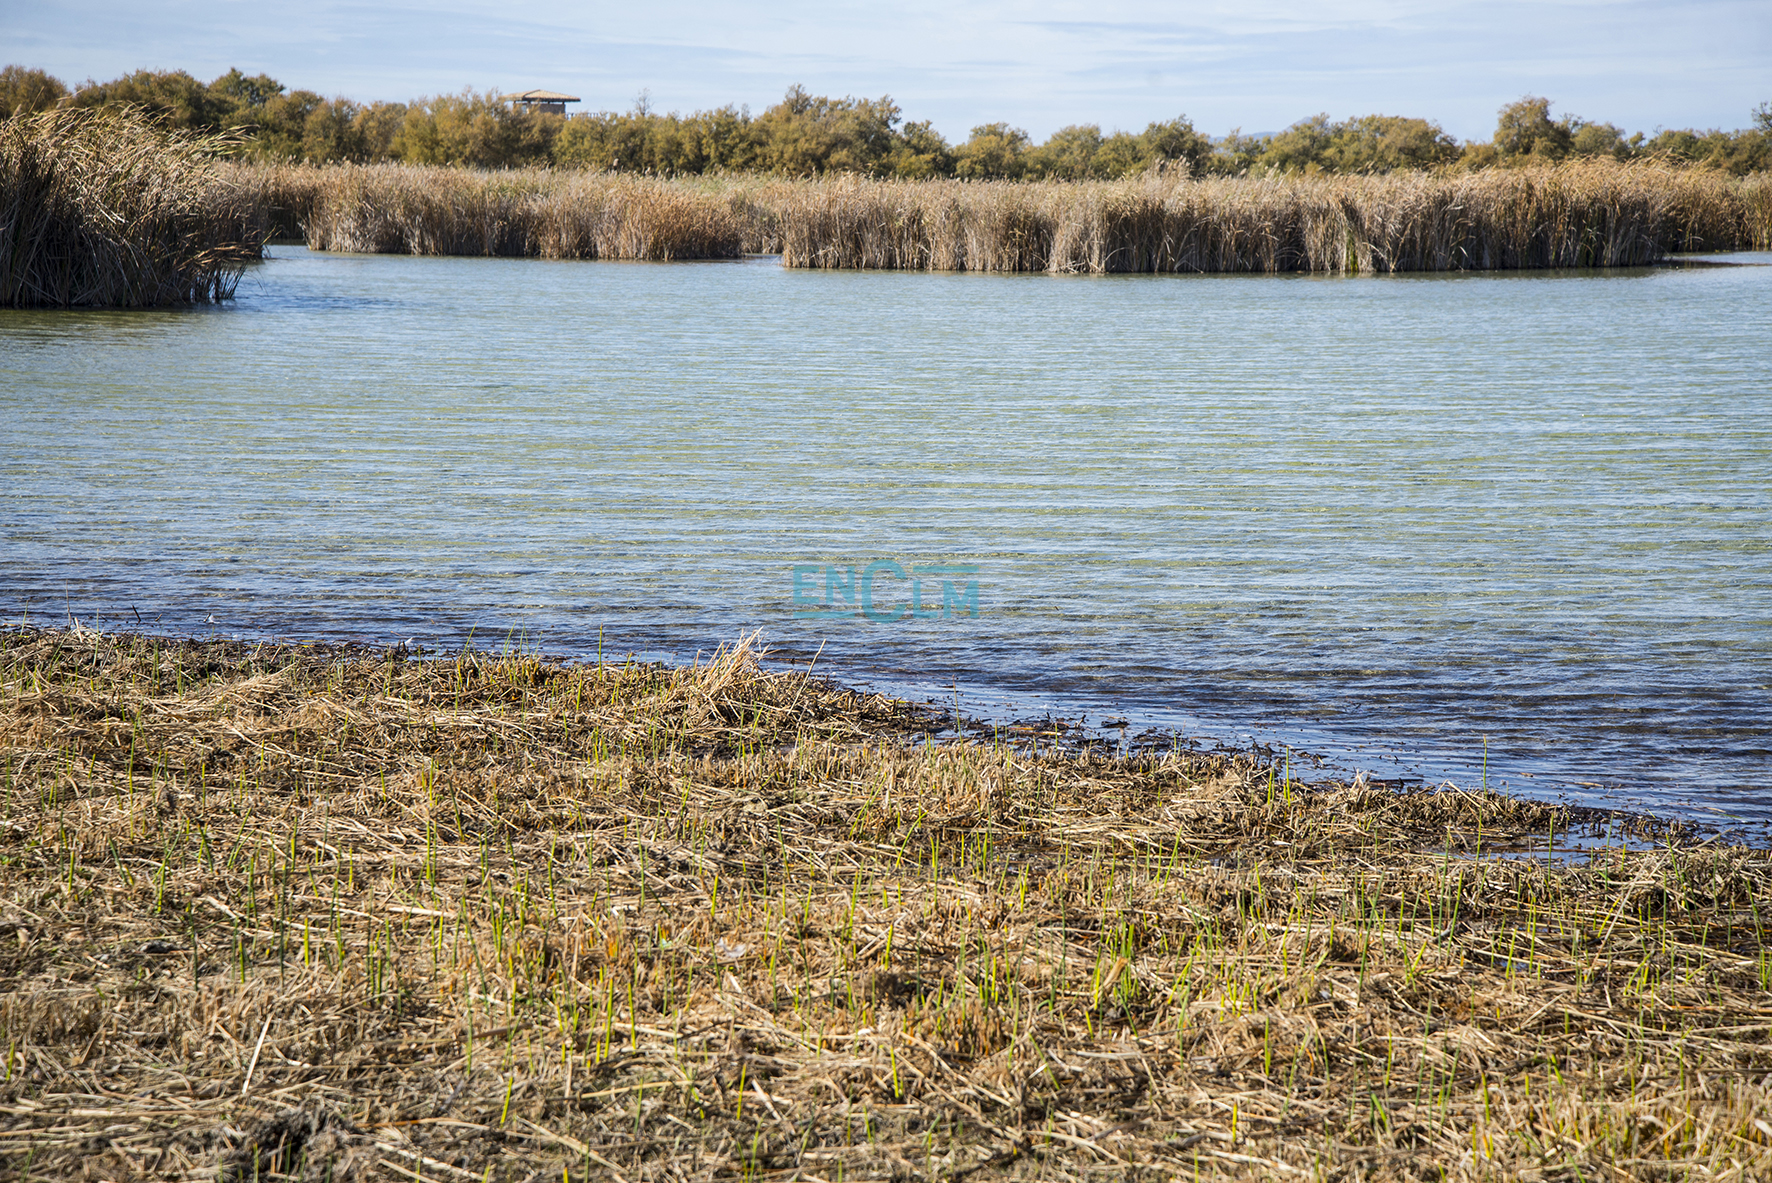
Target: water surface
x=1406, y=522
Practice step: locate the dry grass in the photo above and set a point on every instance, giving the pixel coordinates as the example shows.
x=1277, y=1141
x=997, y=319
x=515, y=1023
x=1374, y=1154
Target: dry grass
x=103, y=208
x=402, y=209
x=1585, y=214
x=297, y=913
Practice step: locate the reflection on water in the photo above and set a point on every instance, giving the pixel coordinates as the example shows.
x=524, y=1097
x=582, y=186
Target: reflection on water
x=1391, y=520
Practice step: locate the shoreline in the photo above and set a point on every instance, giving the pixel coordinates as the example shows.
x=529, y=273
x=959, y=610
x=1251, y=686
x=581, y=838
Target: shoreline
x=1123, y=731
x=327, y=911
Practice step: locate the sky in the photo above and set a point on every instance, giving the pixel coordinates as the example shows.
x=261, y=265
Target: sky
x=1255, y=65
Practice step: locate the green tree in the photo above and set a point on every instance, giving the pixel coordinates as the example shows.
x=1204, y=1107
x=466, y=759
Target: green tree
x=804, y=135
x=1301, y=148
x=1525, y=129
x=243, y=93
x=609, y=140
x=1236, y=153
x=171, y=97
x=674, y=146
x=473, y=129
x=1478, y=155
x=729, y=139
x=1386, y=143
x=279, y=126
x=807, y=134
x=24, y=91
x=1175, y=140
x=1080, y=151
x=921, y=152
x=641, y=140
x=995, y=151
x=334, y=131
x=1603, y=139
x=1068, y=154
x=376, y=127
x=1121, y=155
x=1739, y=152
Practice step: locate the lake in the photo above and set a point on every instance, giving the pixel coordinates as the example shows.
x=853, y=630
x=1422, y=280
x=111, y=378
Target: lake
x=1456, y=527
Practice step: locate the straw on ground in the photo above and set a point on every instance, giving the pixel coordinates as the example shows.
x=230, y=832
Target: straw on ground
x=339, y=914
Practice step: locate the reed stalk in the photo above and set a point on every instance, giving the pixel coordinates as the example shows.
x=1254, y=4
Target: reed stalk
x=422, y=210
x=102, y=208
x=1583, y=213
x=1580, y=214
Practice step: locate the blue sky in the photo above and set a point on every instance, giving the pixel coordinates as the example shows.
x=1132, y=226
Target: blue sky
x=1254, y=64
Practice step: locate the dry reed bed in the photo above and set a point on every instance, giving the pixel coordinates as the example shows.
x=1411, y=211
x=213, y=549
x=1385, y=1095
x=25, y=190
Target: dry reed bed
x=1588, y=214
x=296, y=913
x=403, y=209
x=101, y=208
x=1584, y=214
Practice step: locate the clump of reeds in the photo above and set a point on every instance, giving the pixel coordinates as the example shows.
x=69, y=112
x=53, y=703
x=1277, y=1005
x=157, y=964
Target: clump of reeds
x=1597, y=213
x=281, y=194
x=100, y=207
x=402, y=209
x=601, y=216
x=274, y=912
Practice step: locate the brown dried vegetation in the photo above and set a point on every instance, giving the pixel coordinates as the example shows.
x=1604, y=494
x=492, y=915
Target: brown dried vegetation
x=436, y=210
x=1577, y=214
x=1588, y=213
x=285, y=912
x=103, y=208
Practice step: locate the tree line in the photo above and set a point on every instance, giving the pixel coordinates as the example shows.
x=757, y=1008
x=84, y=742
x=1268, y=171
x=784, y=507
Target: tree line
x=807, y=135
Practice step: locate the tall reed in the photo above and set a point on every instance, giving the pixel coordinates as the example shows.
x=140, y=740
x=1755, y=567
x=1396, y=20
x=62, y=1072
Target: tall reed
x=1596, y=213
x=398, y=209
x=103, y=208
x=1584, y=214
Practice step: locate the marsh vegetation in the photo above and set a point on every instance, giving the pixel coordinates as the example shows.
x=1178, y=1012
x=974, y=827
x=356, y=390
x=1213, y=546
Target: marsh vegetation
x=102, y=207
x=1576, y=214
x=298, y=912
x=116, y=194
